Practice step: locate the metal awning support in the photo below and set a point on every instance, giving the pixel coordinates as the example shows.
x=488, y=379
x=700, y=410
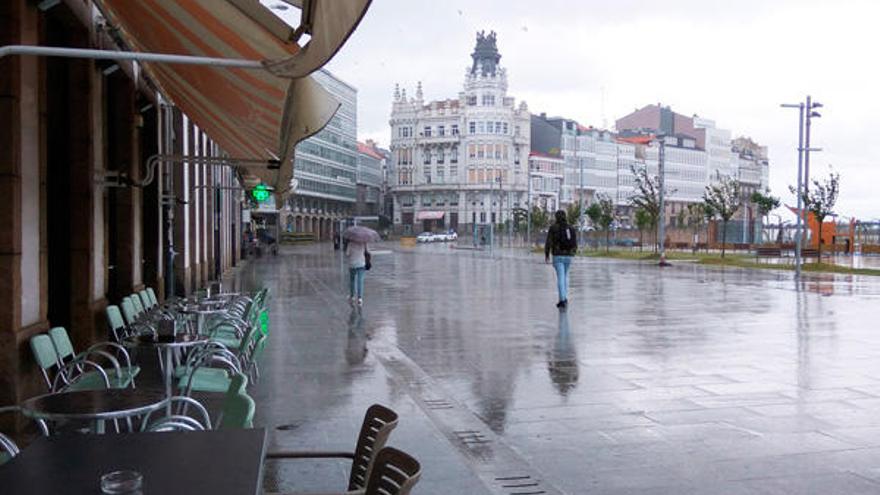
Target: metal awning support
x=116, y=179
x=54, y=51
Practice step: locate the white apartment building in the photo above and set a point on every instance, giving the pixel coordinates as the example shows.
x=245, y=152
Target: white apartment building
x=460, y=162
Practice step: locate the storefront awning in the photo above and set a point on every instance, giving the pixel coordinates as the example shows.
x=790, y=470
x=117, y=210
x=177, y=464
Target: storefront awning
x=260, y=113
x=430, y=215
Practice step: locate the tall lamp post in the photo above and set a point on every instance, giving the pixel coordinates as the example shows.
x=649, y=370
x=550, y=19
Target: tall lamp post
x=800, y=173
x=805, y=112
x=661, y=165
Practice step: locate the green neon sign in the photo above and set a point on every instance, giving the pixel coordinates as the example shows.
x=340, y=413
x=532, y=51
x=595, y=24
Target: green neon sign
x=260, y=193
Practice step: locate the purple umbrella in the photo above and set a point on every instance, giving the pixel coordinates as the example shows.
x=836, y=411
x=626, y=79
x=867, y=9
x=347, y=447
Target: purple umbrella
x=361, y=234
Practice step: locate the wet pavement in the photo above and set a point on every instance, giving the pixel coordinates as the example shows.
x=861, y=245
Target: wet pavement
x=683, y=380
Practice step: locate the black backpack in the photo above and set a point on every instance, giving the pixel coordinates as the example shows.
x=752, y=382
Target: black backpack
x=566, y=238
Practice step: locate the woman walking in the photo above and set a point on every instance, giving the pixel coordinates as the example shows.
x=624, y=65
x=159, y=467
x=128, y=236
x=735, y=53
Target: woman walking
x=562, y=243
x=356, y=253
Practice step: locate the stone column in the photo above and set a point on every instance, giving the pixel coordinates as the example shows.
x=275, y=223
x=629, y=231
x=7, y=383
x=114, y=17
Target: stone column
x=183, y=283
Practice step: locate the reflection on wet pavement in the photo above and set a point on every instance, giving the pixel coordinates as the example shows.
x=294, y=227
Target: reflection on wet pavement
x=685, y=380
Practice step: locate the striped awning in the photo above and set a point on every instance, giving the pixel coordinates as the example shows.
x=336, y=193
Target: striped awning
x=250, y=113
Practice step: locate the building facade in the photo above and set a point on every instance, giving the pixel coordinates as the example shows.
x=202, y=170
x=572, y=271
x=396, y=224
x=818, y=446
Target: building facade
x=369, y=180
x=460, y=162
x=326, y=167
x=600, y=162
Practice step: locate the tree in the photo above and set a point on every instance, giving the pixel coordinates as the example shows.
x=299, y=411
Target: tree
x=724, y=198
x=520, y=217
x=574, y=213
x=643, y=222
x=647, y=197
x=820, y=199
x=765, y=203
x=540, y=218
x=695, y=218
x=605, y=214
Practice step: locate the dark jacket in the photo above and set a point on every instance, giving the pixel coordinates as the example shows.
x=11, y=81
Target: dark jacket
x=553, y=236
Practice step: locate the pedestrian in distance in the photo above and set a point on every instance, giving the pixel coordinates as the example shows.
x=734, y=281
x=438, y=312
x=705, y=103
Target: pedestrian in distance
x=562, y=243
x=358, y=263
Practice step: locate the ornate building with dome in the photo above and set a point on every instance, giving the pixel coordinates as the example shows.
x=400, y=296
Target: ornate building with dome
x=460, y=162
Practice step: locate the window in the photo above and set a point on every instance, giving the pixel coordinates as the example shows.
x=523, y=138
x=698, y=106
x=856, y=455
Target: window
x=454, y=129
x=406, y=200
x=488, y=100
x=493, y=217
x=504, y=127
x=427, y=131
x=427, y=154
x=440, y=176
x=504, y=152
x=481, y=151
x=426, y=200
x=481, y=127
x=472, y=100
x=453, y=155
x=441, y=130
x=516, y=155
x=497, y=127
x=472, y=127
x=472, y=150
x=441, y=155
x=441, y=200
x=516, y=131
x=453, y=200
x=482, y=217
x=497, y=151
x=427, y=176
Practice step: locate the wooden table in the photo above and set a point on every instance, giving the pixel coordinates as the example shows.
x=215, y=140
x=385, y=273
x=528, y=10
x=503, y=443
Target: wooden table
x=217, y=462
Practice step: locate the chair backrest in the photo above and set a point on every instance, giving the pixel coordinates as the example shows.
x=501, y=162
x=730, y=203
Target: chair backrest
x=44, y=354
x=115, y=321
x=8, y=449
x=61, y=341
x=128, y=310
x=136, y=302
x=145, y=299
x=395, y=473
x=238, y=406
x=379, y=422
x=152, y=295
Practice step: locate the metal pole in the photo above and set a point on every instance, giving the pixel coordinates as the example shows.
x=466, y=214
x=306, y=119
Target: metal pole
x=808, y=111
x=529, y=212
x=661, y=158
x=51, y=51
x=798, y=234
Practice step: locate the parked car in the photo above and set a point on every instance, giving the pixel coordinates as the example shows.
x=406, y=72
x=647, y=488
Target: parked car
x=426, y=237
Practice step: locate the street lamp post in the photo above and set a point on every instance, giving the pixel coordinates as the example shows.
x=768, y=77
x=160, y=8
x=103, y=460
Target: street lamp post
x=529, y=208
x=800, y=148
x=661, y=165
x=809, y=114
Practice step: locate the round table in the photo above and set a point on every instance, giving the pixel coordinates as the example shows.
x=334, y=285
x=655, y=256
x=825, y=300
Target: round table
x=167, y=344
x=96, y=405
x=202, y=313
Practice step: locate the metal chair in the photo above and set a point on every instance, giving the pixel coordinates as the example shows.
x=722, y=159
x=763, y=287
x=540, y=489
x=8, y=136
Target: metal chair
x=8, y=449
x=121, y=376
x=179, y=419
x=394, y=473
x=69, y=376
x=379, y=422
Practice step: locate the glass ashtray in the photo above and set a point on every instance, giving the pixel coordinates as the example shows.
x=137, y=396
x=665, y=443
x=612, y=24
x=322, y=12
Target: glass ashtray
x=122, y=482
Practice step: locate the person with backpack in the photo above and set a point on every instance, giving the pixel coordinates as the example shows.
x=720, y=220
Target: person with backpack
x=562, y=243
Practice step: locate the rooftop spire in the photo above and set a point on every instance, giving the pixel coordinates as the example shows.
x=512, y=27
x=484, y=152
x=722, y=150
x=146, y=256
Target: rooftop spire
x=485, y=54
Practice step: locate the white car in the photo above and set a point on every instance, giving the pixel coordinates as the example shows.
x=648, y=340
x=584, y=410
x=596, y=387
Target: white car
x=426, y=237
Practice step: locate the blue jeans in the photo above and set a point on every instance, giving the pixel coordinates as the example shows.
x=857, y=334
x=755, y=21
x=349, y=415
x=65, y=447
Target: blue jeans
x=356, y=281
x=562, y=264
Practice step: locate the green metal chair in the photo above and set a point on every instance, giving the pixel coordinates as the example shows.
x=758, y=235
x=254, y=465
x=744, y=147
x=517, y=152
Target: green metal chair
x=70, y=376
x=152, y=295
x=8, y=449
x=115, y=322
x=128, y=310
x=146, y=302
x=121, y=375
x=138, y=306
x=238, y=406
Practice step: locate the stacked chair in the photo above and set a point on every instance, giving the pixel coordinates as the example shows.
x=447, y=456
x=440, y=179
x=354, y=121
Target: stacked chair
x=375, y=468
x=63, y=369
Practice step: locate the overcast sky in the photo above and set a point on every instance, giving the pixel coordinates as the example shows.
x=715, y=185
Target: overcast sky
x=733, y=62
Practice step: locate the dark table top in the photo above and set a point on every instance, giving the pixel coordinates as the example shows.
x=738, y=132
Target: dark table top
x=93, y=404
x=221, y=462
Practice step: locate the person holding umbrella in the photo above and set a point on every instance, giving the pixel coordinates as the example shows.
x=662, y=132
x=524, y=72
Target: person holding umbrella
x=358, y=258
